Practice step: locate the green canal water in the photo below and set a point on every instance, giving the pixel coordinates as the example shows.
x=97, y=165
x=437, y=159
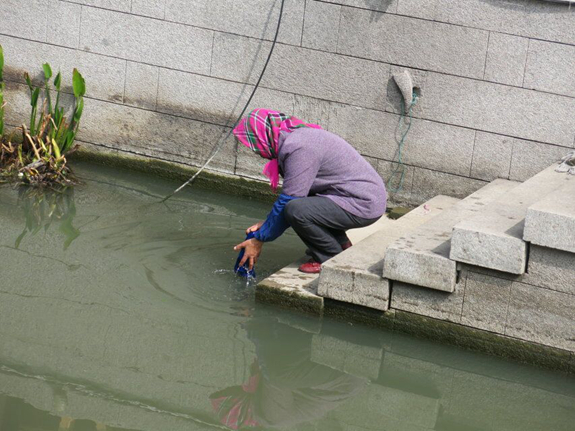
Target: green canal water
x=119, y=313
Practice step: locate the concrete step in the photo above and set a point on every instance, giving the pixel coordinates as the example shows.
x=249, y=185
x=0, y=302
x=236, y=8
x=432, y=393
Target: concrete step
x=551, y=221
x=494, y=238
x=422, y=257
x=356, y=275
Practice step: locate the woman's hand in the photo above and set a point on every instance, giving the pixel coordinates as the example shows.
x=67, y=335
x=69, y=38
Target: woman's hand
x=253, y=249
x=255, y=227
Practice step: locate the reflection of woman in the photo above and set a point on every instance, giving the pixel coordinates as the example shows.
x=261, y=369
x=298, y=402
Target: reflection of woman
x=328, y=187
x=285, y=387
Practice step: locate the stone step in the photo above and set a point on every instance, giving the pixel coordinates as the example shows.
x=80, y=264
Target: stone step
x=356, y=275
x=422, y=257
x=292, y=289
x=551, y=221
x=494, y=238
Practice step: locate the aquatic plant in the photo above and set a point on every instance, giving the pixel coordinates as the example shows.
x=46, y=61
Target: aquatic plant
x=40, y=157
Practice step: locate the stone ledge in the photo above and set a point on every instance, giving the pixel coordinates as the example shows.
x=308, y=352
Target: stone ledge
x=422, y=257
x=209, y=180
x=275, y=295
x=356, y=275
x=551, y=221
x=547, y=269
x=494, y=237
x=292, y=289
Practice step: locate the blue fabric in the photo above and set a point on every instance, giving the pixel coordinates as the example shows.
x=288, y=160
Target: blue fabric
x=244, y=271
x=275, y=224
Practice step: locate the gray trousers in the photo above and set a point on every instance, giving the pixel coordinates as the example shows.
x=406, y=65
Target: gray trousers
x=321, y=224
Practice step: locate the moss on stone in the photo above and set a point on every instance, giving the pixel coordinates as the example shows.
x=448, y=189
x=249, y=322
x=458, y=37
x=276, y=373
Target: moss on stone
x=398, y=212
x=267, y=292
x=483, y=341
x=179, y=172
x=359, y=314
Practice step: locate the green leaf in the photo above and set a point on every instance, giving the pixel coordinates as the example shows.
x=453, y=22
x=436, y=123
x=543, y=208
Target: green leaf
x=56, y=149
x=47, y=71
x=40, y=120
x=79, y=84
x=1, y=63
x=58, y=81
x=34, y=104
x=48, y=75
x=79, y=110
x=35, y=95
x=28, y=81
x=68, y=141
x=56, y=118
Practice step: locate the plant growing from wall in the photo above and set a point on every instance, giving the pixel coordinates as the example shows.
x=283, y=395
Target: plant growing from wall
x=49, y=136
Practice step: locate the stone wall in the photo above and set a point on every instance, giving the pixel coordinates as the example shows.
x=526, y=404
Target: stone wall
x=166, y=78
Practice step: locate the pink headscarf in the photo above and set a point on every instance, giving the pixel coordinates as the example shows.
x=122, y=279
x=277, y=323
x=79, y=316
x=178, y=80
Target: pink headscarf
x=260, y=131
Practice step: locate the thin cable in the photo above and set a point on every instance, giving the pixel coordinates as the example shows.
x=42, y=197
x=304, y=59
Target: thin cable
x=401, y=145
x=219, y=145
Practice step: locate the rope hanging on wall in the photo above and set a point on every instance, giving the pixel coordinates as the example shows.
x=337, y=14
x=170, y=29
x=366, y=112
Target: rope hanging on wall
x=221, y=142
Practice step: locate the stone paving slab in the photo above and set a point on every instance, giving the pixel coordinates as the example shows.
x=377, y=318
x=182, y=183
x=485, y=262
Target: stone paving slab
x=494, y=238
x=551, y=221
x=355, y=275
x=422, y=257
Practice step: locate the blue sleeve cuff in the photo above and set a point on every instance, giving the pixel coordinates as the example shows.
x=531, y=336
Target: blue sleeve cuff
x=275, y=224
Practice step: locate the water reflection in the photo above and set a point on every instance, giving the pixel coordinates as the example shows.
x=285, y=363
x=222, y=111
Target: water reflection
x=299, y=376
x=285, y=387
x=43, y=208
x=17, y=415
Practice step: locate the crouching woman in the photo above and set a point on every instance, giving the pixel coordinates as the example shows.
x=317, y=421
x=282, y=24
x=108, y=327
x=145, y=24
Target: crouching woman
x=328, y=187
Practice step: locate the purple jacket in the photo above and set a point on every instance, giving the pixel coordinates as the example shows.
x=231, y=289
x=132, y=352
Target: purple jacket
x=315, y=162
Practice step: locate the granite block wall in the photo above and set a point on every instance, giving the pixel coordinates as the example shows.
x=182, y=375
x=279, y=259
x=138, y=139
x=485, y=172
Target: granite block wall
x=537, y=307
x=166, y=78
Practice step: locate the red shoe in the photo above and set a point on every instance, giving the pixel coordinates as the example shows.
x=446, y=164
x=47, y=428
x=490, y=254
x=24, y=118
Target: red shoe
x=346, y=245
x=311, y=267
